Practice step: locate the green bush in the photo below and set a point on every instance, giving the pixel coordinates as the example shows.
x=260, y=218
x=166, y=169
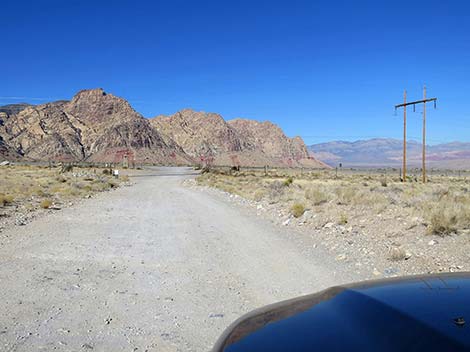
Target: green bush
x=288, y=181
x=297, y=210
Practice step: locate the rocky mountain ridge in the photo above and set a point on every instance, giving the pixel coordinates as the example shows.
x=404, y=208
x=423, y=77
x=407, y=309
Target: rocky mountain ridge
x=97, y=126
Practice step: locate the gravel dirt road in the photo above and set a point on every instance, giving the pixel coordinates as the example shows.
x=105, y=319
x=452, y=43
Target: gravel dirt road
x=153, y=267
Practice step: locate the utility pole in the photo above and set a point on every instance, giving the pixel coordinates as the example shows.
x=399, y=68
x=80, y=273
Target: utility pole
x=404, y=105
x=424, y=134
x=404, y=137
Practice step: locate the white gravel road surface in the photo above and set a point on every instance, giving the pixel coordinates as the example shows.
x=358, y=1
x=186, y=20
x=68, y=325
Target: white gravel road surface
x=152, y=267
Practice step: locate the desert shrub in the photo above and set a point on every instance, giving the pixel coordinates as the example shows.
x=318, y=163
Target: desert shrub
x=397, y=253
x=297, y=210
x=66, y=168
x=46, y=203
x=316, y=195
x=345, y=195
x=275, y=190
x=61, y=179
x=288, y=181
x=125, y=178
x=39, y=192
x=87, y=188
x=106, y=172
x=112, y=184
x=259, y=194
x=383, y=182
x=6, y=199
x=444, y=219
x=343, y=219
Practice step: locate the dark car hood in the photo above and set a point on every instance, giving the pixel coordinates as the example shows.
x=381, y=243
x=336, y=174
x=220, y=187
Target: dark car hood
x=423, y=313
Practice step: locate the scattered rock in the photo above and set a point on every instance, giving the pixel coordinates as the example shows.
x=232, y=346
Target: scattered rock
x=216, y=315
x=432, y=242
x=5, y=163
x=328, y=225
x=341, y=257
x=285, y=223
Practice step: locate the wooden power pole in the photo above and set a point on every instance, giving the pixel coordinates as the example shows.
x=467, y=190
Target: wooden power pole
x=404, y=137
x=424, y=135
x=404, y=105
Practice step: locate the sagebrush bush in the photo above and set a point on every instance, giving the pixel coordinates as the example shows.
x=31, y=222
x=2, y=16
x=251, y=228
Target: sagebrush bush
x=6, y=199
x=316, y=195
x=343, y=219
x=259, y=195
x=446, y=218
x=297, y=210
x=288, y=181
x=345, y=195
x=275, y=190
x=61, y=179
x=397, y=253
x=46, y=203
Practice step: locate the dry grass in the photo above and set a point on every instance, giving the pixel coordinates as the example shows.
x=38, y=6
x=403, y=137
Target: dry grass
x=441, y=206
x=33, y=187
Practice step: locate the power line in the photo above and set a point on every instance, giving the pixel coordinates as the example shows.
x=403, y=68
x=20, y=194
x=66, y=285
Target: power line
x=404, y=105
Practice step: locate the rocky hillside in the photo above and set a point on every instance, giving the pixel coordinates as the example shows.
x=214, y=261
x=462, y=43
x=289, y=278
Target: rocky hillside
x=93, y=126
x=97, y=126
x=270, y=141
x=387, y=152
x=207, y=136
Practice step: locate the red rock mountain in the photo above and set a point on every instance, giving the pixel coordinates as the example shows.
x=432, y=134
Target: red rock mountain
x=96, y=126
x=93, y=126
x=207, y=136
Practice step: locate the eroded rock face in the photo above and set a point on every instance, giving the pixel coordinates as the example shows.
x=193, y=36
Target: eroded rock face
x=200, y=134
x=97, y=126
x=237, y=142
x=92, y=126
x=269, y=140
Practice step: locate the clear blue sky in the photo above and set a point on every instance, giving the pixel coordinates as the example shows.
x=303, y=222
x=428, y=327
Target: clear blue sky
x=320, y=69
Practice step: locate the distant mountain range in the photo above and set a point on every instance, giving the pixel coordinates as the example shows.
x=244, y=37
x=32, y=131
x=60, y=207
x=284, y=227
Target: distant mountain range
x=387, y=152
x=97, y=126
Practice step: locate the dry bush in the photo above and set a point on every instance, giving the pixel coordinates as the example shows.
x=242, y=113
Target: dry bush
x=6, y=199
x=397, y=254
x=345, y=195
x=297, y=210
x=316, y=195
x=343, y=219
x=259, y=195
x=275, y=190
x=46, y=203
x=61, y=179
x=444, y=219
x=112, y=184
x=288, y=181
